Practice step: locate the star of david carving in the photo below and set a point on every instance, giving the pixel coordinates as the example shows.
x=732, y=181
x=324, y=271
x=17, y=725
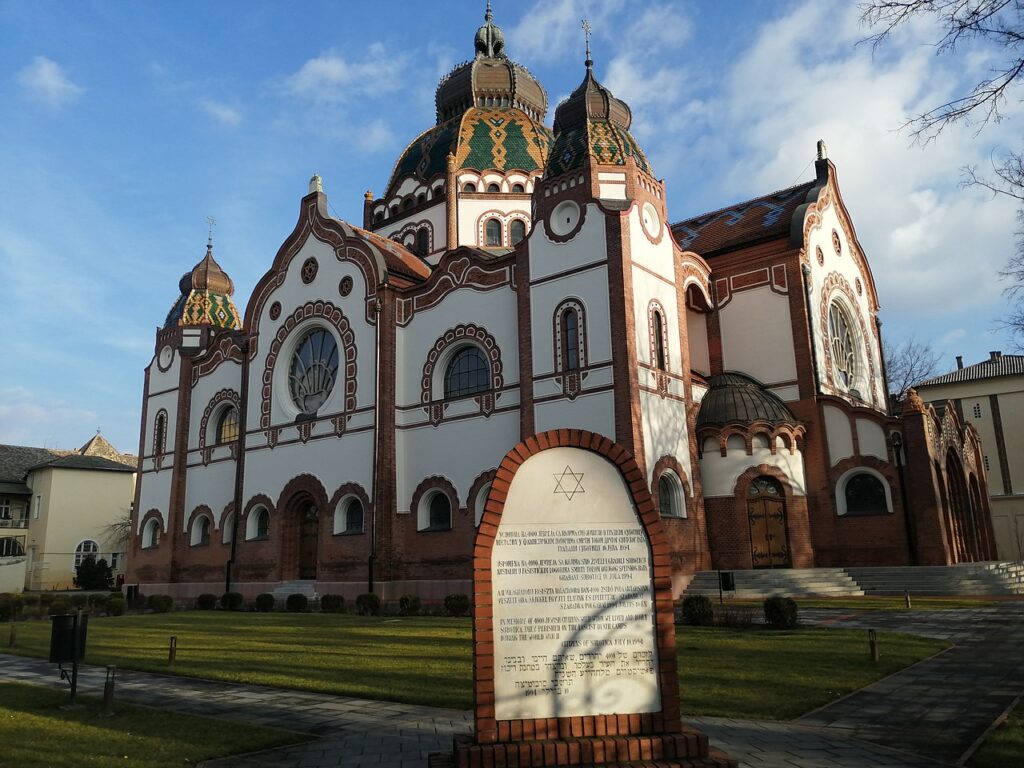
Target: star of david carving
x=568, y=482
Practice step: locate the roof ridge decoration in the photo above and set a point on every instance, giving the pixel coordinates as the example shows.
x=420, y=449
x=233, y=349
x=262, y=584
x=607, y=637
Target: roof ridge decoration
x=490, y=40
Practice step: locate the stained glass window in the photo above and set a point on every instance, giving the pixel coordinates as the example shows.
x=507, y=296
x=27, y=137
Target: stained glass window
x=516, y=231
x=570, y=340
x=492, y=233
x=227, y=426
x=467, y=373
x=314, y=370
x=844, y=350
x=764, y=486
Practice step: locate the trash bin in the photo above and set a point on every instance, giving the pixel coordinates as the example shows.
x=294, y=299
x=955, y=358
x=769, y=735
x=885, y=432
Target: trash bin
x=67, y=637
x=727, y=581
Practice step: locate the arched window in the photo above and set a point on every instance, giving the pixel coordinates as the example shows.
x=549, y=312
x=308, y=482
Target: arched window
x=348, y=517
x=492, y=188
x=438, y=191
x=865, y=494
x=201, y=531
x=378, y=217
x=422, y=241
x=84, y=550
x=764, y=486
x=257, y=526
x=492, y=233
x=227, y=425
x=440, y=513
x=151, y=535
x=516, y=231
x=421, y=198
x=843, y=347
x=393, y=210
x=407, y=204
x=670, y=495
x=570, y=340
x=160, y=433
x=518, y=189
x=659, y=341
x=11, y=547
x=314, y=368
x=228, y=528
x=469, y=186
x=467, y=373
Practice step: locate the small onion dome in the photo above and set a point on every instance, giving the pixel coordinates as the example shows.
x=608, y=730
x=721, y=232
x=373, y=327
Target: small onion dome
x=205, y=297
x=593, y=123
x=736, y=397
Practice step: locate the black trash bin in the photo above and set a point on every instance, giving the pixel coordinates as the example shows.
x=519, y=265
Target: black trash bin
x=67, y=637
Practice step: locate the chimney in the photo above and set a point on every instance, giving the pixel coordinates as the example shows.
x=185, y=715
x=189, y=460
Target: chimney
x=959, y=362
x=994, y=356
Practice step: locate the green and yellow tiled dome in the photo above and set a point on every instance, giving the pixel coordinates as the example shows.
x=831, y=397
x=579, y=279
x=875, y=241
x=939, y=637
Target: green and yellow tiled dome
x=205, y=297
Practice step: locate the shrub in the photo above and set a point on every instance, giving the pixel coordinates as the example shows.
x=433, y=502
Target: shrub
x=10, y=607
x=780, y=612
x=98, y=603
x=115, y=606
x=206, y=602
x=80, y=601
x=456, y=605
x=697, y=611
x=160, y=603
x=265, y=602
x=59, y=606
x=32, y=611
x=232, y=601
x=94, y=574
x=297, y=602
x=332, y=604
x=408, y=605
x=46, y=598
x=368, y=604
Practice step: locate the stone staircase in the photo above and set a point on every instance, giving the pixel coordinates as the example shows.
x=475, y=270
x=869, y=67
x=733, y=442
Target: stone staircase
x=991, y=578
x=790, y=582
x=286, y=588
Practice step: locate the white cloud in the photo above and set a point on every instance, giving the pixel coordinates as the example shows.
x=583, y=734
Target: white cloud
x=222, y=113
x=29, y=418
x=375, y=136
x=330, y=78
x=44, y=81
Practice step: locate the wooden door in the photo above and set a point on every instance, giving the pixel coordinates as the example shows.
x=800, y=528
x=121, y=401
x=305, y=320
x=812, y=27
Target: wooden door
x=308, y=528
x=766, y=511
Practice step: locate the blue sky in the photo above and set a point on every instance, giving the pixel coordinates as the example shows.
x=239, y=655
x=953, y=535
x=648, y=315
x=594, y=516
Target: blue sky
x=126, y=124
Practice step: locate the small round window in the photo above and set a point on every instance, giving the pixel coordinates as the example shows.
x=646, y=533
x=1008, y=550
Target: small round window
x=314, y=369
x=842, y=346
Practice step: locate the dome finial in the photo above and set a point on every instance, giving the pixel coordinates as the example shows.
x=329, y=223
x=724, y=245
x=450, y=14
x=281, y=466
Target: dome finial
x=488, y=16
x=586, y=34
x=210, y=221
x=490, y=40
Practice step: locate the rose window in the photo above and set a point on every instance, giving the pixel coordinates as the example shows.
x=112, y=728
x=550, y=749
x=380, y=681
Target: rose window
x=313, y=371
x=844, y=351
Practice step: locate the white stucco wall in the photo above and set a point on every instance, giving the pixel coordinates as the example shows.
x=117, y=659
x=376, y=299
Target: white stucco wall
x=719, y=473
x=837, y=431
x=757, y=335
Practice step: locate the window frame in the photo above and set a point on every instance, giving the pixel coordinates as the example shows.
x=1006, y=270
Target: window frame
x=288, y=361
x=511, y=237
x=842, y=509
x=426, y=511
x=201, y=530
x=252, y=524
x=341, y=522
x=676, y=496
x=457, y=353
x=81, y=553
x=843, y=343
x=488, y=235
x=151, y=534
x=225, y=412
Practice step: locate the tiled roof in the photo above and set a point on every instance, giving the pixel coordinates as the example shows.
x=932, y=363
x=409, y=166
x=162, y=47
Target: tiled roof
x=15, y=461
x=603, y=140
x=735, y=397
x=397, y=257
x=77, y=461
x=997, y=365
x=758, y=219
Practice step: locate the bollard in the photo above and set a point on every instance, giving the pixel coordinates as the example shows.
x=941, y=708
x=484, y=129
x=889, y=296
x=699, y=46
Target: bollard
x=906, y=594
x=873, y=644
x=108, y=692
x=172, y=651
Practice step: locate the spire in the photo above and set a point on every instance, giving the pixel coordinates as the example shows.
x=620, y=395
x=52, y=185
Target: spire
x=209, y=233
x=490, y=40
x=586, y=33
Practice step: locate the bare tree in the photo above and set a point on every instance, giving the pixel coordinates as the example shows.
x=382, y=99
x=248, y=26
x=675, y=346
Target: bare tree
x=999, y=25
x=120, y=530
x=908, y=363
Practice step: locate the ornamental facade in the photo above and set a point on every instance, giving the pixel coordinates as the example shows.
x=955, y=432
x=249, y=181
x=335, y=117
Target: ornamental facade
x=341, y=434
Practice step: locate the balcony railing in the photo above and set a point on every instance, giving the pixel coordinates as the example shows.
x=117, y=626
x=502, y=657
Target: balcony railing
x=14, y=522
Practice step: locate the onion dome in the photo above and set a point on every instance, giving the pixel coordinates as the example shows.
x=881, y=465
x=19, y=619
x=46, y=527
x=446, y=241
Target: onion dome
x=490, y=113
x=735, y=397
x=593, y=123
x=205, y=298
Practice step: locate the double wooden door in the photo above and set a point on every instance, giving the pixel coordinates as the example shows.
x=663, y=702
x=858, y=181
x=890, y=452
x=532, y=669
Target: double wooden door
x=766, y=511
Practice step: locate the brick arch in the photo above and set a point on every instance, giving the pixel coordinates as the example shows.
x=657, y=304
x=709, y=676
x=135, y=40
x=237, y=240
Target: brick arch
x=470, y=333
x=437, y=482
x=202, y=509
x=225, y=395
x=300, y=487
x=662, y=464
x=347, y=366
x=836, y=284
x=752, y=473
x=488, y=729
x=259, y=500
x=344, y=490
x=474, y=490
x=152, y=514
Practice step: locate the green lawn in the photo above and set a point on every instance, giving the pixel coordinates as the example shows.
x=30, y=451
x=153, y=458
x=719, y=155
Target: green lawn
x=1005, y=745
x=36, y=733
x=428, y=660
x=877, y=602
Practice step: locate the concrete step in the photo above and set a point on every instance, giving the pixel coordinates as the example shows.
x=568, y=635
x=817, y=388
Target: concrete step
x=793, y=582
x=989, y=578
x=301, y=587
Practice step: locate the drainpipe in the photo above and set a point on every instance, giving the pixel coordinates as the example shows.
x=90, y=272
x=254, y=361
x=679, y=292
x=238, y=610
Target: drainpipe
x=243, y=400
x=376, y=437
x=806, y=270
x=908, y=520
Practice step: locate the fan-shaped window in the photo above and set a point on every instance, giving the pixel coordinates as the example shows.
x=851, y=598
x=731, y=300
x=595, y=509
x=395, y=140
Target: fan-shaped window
x=842, y=346
x=670, y=495
x=439, y=513
x=348, y=517
x=659, y=341
x=227, y=425
x=151, y=535
x=518, y=189
x=516, y=231
x=492, y=233
x=865, y=494
x=258, y=524
x=492, y=188
x=764, y=486
x=422, y=241
x=228, y=528
x=11, y=547
x=86, y=549
x=570, y=340
x=201, y=531
x=467, y=373
x=469, y=186
x=314, y=368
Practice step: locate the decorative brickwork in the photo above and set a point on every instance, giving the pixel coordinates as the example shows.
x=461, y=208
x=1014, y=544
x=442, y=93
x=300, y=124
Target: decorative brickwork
x=461, y=334
x=224, y=395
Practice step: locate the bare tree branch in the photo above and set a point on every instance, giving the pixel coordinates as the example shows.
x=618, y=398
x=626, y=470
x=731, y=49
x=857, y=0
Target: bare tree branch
x=908, y=364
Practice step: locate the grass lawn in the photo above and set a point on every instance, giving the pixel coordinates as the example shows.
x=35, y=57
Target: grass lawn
x=1005, y=745
x=36, y=733
x=878, y=602
x=428, y=660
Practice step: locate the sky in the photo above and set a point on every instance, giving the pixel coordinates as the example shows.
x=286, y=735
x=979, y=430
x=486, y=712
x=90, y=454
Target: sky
x=125, y=125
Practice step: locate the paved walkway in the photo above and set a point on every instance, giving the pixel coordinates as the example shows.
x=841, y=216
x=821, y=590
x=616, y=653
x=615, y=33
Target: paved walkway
x=923, y=717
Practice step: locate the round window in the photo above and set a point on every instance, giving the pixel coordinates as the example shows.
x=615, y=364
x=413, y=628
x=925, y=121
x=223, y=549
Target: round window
x=651, y=220
x=313, y=371
x=565, y=217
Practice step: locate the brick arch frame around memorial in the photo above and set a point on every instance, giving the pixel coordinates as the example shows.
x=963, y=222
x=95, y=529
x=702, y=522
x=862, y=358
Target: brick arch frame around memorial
x=488, y=728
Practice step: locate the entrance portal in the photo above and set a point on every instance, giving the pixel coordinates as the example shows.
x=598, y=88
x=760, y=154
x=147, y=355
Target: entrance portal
x=766, y=511
x=309, y=525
